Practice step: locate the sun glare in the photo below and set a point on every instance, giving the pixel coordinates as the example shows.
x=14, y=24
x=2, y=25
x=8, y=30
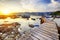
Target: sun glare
x=6, y=12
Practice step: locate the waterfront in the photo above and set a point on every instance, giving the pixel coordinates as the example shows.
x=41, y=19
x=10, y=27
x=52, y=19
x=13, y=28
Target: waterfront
x=20, y=26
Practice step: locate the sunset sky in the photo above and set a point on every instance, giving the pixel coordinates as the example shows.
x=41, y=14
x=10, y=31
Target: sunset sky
x=29, y=5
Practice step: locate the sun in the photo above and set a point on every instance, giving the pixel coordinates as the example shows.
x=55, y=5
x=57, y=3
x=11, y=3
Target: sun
x=6, y=12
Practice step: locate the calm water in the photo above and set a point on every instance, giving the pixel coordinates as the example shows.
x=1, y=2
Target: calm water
x=25, y=23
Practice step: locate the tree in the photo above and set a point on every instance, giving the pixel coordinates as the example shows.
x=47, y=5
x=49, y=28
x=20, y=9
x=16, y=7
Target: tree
x=55, y=14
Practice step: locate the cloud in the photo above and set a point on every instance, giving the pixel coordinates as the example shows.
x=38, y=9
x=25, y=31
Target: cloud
x=29, y=5
x=54, y=6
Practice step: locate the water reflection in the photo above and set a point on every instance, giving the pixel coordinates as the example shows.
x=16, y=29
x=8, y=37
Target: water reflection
x=25, y=23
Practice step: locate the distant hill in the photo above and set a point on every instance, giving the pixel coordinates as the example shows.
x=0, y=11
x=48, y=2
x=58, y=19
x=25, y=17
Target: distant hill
x=47, y=14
